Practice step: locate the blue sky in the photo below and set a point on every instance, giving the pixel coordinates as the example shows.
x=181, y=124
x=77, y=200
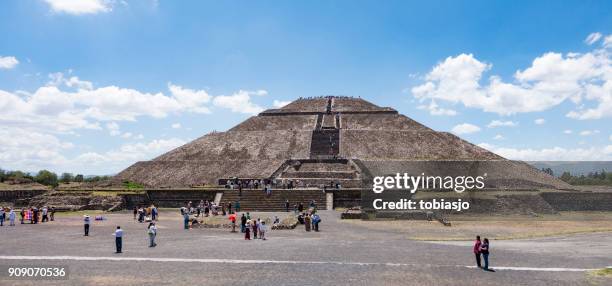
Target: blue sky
x=92, y=86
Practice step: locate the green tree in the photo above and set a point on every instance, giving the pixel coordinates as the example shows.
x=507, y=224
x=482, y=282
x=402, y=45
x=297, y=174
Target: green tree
x=66, y=178
x=2, y=175
x=78, y=178
x=566, y=177
x=46, y=178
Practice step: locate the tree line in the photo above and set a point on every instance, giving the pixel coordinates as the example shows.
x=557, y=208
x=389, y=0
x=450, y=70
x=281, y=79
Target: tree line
x=46, y=177
x=592, y=178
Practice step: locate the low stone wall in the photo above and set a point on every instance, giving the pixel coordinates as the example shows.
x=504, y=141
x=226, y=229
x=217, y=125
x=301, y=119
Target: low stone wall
x=347, y=198
x=19, y=196
x=575, y=201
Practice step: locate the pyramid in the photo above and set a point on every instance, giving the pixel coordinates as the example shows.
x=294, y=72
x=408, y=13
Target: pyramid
x=319, y=140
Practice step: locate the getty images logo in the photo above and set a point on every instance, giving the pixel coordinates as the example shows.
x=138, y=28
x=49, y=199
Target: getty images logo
x=413, y=183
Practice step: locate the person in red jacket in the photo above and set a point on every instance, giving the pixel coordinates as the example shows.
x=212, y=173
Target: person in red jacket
x=477, y=244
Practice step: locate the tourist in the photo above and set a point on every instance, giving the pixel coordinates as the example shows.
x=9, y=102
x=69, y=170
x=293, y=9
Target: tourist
x=307, y=222
x=248, y=215
x=254, y=225
x=229, y=207
x=2, y=215
x=287, y=206
x=153, y=213
x=300, y=207
x=476, y=249
x=11, y=217
x=237, y=207
x=300, y=218
x=135, y=212
x=316, y=219
x=484, y=249
x=34, y=215
x=140, y=214
x=86, y=222
x=233, y=220
x=262, y=230
x=152, y=232
x=295, y=209
x=45, y=212
x=118, y=239
x=247, y=231
x=52, y=213
x=22, y=215
x=243, y=221
x=186, y=220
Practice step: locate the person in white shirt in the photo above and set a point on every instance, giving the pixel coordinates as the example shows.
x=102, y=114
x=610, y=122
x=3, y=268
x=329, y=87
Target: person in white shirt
x=262, y=230
x=45, y=211
x=118, y=239
x=152, y=232
x=12, y=217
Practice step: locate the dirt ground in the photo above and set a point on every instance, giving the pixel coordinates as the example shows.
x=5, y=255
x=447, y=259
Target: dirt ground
x=497, y=227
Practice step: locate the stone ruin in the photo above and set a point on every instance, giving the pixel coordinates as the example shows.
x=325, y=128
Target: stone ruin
x=319, y=140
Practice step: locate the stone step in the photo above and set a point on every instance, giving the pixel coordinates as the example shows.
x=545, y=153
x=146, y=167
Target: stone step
x=256, y=200
x=319, y=174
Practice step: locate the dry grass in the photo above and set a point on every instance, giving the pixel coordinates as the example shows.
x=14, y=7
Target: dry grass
x=19, y=187
x=498, y=227
x=605, y=272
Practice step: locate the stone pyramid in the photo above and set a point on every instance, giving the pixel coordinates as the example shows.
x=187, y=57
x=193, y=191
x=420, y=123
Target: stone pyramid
x=323, y=139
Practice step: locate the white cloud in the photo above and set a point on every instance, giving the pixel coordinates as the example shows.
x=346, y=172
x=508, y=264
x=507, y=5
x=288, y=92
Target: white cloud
x=553, y=154
x=279, y=104
x=33, y=151
x=118, y=159
x=434, y=109
x=499, y=137
x=499, y=123
x=240, y=101
x=53, y=108
x=67, y=104
x=30, y=151
x=540, y=121
x=113, y=128
x=592, y=38
x=610, y=138
x=607, y=41
x=176, y=126
x=78, y=7
x=551, y=79
x=189, y=97
x=465, y=128
x=567, y=131
x=8, y=62
x=589, y=132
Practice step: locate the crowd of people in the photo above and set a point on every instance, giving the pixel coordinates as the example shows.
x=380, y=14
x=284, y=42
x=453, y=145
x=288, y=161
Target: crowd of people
x=144, y=214
x=33, y=215
x=251, y=227
x=268, y=184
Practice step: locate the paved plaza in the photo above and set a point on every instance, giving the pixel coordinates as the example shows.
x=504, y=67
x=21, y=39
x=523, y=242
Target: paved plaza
x=341, y=254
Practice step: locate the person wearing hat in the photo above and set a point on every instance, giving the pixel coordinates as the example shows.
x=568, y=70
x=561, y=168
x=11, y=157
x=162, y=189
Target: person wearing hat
x=86, y=222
